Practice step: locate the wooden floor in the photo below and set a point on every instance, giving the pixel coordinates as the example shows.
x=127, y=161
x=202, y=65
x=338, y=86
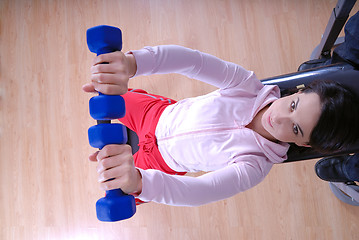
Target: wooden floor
x=49, y=188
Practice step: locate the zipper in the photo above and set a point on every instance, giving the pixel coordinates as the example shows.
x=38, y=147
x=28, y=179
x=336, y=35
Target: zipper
x=201, y=131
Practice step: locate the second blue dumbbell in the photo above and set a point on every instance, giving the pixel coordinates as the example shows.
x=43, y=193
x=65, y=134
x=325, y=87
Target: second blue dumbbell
x=103, y=108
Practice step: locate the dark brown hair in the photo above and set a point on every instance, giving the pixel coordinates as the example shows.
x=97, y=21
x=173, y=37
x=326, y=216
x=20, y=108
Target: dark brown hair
x=338, y=125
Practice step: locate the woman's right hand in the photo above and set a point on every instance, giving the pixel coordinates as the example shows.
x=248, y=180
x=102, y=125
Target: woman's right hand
x=116, y=169
x=110, y=73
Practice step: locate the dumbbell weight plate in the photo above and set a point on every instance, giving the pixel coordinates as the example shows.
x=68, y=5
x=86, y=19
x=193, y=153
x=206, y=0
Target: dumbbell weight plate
x=107, y=107
x=108, y=208
x=103, y=134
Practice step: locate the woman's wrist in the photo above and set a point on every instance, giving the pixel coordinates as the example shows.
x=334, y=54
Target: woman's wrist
x=132, y=65
x=139, y=185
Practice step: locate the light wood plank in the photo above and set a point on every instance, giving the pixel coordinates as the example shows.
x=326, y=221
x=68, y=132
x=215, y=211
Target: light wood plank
x=48, y=188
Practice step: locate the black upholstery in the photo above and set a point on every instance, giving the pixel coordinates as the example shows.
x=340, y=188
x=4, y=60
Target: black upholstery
x=132, y=140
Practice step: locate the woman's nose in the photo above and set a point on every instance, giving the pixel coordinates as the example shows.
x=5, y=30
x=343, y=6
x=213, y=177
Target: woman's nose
x=280, y=119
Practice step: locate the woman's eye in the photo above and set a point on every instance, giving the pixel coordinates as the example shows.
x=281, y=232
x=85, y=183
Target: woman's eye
x=292, y=106
x=295, y=129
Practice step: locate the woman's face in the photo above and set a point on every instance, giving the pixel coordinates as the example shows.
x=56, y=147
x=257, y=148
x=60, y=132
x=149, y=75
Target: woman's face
x=292, y=118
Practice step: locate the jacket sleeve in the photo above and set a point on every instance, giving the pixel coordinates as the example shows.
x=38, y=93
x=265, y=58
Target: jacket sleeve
x=191, y=63
x=174, y=190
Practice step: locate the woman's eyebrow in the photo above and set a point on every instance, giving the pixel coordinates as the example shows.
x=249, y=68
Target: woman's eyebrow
x=300, y=130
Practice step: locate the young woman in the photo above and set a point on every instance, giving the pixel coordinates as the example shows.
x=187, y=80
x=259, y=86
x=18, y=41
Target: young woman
x=235, y=133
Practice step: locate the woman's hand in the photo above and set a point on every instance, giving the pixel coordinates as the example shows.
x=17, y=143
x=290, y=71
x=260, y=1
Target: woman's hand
x=110, y=73
x=116, y=169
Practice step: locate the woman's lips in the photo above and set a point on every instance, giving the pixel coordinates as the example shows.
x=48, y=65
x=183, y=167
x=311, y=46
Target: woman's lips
x=269, y=121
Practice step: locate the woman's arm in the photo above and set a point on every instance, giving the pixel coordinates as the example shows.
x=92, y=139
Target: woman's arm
x=191, y=63
x=195, y=191
x=117, y=170
x=112, y=78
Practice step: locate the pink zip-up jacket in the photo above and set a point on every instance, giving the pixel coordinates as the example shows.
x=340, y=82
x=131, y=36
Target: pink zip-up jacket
x=208, y=133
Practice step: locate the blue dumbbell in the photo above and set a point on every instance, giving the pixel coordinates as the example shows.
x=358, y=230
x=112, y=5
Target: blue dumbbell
x=116, y=205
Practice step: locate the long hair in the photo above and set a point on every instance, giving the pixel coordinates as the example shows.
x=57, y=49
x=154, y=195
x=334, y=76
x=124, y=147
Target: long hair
x=338, y=125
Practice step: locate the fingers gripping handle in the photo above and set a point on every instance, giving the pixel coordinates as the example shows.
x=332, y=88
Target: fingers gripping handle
x=116, y=205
